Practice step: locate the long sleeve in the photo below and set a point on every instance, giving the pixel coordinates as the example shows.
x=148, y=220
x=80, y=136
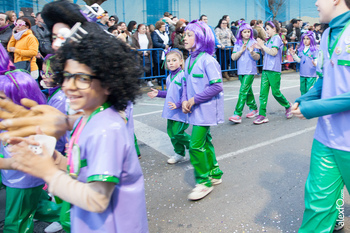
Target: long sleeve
x=94, y=196
x=11, y=43
x=270, y=51
x=157, y=41
x=296, y=58
x=162, y=94
x=208, y=93
x=322, y=107
x=184, y=92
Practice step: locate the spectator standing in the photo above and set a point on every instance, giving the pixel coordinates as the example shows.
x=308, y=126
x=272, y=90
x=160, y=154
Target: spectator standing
x=43, y=35
x=25, y=46
x=225, y=38
x=5, y=29
x=113, y=19
x=169, y=24
x=103, y=21
x=178, y=39
x=317, y=32
x=253, y=23
x=132, y=27
x=259, y=27
x=161, y=40
x=293, y=31
x=142, y=40
x=12, y=17
x=204, y=19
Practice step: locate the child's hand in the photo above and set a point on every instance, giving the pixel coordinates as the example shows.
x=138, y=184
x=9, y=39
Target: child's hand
x=260, y=42
x=190, y=103
x=291, y=51
x=296, y=111
x=184, y=107
x=313, y=62
x=244, y=47
x=172, y=106
x=256, y=45
x=153, y=93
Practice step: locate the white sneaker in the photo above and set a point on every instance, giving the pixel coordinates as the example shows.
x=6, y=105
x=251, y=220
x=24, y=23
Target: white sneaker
x=149, y=84
x=53, y=227
x=199, y=192
x=215, y=181
x=175, y=159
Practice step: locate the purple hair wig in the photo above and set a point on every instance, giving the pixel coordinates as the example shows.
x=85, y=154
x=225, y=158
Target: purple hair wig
x=243, y=27
x=5, y=63
x=311, y=35
x=205, y=41
x=17, y=84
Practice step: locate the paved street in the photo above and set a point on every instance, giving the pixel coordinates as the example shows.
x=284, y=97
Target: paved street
x=265, y=168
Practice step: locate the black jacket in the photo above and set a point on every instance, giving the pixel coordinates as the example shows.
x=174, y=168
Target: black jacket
x=5, y=36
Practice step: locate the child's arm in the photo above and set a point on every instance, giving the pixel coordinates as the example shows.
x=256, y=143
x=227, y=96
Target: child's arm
x=6, y=163
x=294, y=55
x=236, y=55
x=253, y=54
x=271, y=51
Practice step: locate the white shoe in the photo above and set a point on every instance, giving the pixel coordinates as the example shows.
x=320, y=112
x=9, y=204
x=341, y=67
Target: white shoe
x=53, y=227
x=175, y=159
x=149, y=84
x=199, y=192
x=215, y=181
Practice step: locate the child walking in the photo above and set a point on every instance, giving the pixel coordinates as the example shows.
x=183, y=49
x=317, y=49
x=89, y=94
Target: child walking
x=271, y=75
x=177, y=121
x=103, y=180
x=23, y=192
x=203, y=100
x=307, y=57
x=246, y=55
x=329, y=101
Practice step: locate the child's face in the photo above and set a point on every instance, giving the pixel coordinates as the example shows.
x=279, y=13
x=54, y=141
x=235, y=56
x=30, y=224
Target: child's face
x=173, y=62
x=325, y=9
x=189, y=40
x=246, y=34
x=87, y=99
x=270, y=31
x=284, y=33
x=306, y=41
x=47, y=76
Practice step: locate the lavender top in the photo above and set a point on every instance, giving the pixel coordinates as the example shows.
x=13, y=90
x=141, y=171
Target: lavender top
x=246, y=64
x=58, y=101
x=334, y=130
x=273, y=63
x=202, y=73
x=17, y=179
x=110, y=155
x=307, y=69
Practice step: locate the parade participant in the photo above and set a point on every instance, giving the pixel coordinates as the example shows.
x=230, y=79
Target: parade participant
x=307, y=57
x=271, y=75
x=56, y=97
x=246, y=55
x=104, y=181
x=203, y=101
x=177, y=121
x=329, y=101
x=23, y=191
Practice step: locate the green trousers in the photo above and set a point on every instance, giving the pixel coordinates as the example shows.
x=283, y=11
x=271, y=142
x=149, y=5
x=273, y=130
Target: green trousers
x=202, y=156
x=329, y=170
x=271, y=79
x=179, y=138
x=306, y=83
x=22, y=205
x=246, y=94
x=65, y=216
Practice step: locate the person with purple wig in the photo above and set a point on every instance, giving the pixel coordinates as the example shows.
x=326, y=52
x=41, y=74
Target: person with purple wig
x=246, y=56
x=271, y=75
x=203, y=101
x=307, y=57
x=24, y=194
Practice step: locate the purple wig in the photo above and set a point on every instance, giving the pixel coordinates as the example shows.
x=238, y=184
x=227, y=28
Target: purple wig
x=17, y=84
x=204, y=41
x=243, y=27
x=5, y=63
x=311, y=35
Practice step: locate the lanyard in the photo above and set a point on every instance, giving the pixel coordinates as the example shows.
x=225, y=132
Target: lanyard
x=331, y=50
x=73, y=147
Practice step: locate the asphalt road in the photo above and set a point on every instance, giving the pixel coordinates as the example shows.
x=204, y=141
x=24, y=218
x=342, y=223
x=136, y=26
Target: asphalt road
x=265, y=168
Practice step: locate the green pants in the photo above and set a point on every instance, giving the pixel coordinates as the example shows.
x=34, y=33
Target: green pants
x=246, y=94
x=202, y=156
x=47, y=210
x=271, y=79
x=179, y=138
x=65, y=216
x=329, y=170
x=306, y=83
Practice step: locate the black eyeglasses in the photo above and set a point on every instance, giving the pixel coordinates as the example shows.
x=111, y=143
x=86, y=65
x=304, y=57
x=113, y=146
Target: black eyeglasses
x=81, y=81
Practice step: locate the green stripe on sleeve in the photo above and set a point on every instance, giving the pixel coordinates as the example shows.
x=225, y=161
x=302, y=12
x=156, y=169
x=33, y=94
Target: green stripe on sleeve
x=104, y=178
x=215, y=81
